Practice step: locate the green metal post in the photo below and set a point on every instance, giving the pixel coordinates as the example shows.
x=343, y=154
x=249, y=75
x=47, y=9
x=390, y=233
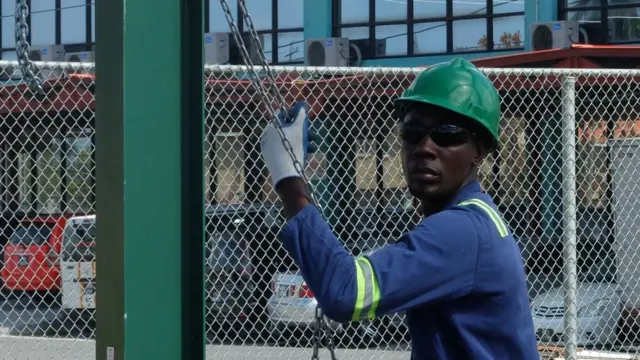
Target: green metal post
x=150, y=198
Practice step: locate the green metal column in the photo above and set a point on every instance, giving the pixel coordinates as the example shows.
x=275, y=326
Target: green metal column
x=150, y=198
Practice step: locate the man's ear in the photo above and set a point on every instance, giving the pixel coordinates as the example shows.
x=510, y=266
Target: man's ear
x=481, y=153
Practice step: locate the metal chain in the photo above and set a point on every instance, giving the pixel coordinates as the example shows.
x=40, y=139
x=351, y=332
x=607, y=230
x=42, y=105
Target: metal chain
x=271, y=91
x=268, y=93
x=322, y=331
x=23, y=48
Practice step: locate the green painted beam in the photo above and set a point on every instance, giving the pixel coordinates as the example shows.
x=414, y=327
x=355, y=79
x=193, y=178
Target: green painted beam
x=150, y=198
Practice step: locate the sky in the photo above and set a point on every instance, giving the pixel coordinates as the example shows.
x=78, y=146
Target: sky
x=429, y=37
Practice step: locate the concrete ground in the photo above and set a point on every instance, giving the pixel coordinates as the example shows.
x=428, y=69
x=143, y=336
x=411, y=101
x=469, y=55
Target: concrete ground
x=38, y=331
x=34, y=348
x=30, y=331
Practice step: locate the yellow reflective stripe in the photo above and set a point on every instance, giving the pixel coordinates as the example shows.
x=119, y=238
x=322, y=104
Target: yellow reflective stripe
x=368, y=291
x=360, y=283
x=375, y=289
x=495, y=217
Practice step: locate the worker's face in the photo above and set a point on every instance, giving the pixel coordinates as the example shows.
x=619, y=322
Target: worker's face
x=438, y=155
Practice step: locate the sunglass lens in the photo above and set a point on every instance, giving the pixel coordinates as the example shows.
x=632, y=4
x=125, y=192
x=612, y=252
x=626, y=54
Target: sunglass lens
x=445, y=135
x=445, y=139
x=413, y=136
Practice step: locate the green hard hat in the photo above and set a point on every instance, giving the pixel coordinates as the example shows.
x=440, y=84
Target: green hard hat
x=458, y=86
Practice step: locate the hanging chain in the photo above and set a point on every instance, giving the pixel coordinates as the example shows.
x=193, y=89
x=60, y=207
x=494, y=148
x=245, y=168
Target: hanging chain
x=22, y=48
x=269, y=94
x=322, y=331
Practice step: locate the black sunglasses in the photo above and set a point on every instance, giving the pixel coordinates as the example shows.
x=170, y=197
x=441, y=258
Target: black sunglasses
x=442, y=135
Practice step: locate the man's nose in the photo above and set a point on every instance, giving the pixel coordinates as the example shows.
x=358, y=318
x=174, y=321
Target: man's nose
x=426, y=147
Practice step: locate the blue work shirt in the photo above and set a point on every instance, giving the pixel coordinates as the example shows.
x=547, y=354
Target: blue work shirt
x=458, y=275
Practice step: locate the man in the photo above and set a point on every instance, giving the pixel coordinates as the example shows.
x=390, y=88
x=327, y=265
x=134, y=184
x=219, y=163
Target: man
x=458, y=274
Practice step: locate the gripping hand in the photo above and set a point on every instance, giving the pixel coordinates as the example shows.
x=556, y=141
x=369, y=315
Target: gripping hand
x=295, y=125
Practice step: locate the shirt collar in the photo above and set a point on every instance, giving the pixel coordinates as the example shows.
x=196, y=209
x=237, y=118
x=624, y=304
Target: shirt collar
x=465, y=193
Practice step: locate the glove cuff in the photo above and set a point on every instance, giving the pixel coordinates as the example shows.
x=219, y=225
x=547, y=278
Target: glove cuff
x=282, y=176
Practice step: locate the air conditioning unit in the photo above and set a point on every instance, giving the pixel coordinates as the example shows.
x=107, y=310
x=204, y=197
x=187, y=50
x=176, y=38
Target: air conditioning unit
x=554, y=35
x=360, y=49
x=48, y=53
x=82, y=56
x=221, y=48
x=327, y=52
x=216, y=48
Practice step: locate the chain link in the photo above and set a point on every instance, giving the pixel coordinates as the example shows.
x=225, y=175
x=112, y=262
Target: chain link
x=268, y=93
x=322, y=331
x=23, y=48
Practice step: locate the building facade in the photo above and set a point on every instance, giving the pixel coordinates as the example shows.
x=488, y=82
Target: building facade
x=414, y=32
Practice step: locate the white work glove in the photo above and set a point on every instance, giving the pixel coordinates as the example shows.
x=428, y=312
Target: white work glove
x=295, y=125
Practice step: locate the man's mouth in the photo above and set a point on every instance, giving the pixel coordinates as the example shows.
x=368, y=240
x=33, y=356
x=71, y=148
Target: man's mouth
x=424, y=170
x=424, y=173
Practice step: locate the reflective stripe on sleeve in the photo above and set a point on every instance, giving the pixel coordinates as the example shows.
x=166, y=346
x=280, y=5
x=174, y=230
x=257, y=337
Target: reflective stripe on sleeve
x=495, y=217
x=368, y=292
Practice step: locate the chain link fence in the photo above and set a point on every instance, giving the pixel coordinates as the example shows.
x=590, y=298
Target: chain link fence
x=565, y=179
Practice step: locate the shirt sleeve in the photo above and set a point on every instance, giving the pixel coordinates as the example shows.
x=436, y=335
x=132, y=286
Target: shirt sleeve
x=435, y=261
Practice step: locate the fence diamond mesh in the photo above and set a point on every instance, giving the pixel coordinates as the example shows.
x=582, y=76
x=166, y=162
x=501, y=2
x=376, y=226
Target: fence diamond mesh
x=565, y=179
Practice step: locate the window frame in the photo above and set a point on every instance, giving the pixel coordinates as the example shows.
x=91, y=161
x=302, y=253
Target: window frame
x=410, y=22
x=87, y=45
x=273, y=32
x=604, y=8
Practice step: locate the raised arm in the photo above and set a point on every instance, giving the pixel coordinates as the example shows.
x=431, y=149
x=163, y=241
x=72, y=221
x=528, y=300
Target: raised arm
x=435, y=261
